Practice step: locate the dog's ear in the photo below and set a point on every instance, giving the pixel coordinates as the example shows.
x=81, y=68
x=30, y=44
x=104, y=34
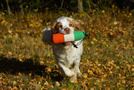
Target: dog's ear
x=53, y=28
x=77, y=24
x=56, y=27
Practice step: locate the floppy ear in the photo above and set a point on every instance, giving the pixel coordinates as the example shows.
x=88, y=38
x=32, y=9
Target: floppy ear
x=77, y=25
x=53, y=28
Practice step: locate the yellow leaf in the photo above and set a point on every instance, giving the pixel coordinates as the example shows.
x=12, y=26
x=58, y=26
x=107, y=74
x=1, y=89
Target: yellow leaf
x=92, y=42
x=110, y=72
x=14, y=82
x=121, y=89
x=30, y=74
x=57, y=83
x=85, y=75
x=132, y=69
x=103, y=11
x=70, y=16
x=113, y=6
x=107, y=88
x=36, y=10
x=115, y=23
x=118, y=84
x=93, y=69
x=130, y=14
x=10, y=31
x=102, y=80
x=43, y=88
x=42, y=63
x=14, y=88
x=46, y=83
x=105, y=75
x=106, y=45
x=88, y=48
x=22, y=85
x=48, y=54
x=94, y=39
x=117, y=55
x=5, y=83
x=90, y=72
x=10, y=53
x=48, y=69
x=26, y=6
x=123, y=81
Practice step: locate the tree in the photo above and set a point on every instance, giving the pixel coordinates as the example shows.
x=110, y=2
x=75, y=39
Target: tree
x=80, y=6
x=21, y=7
x=8, y=7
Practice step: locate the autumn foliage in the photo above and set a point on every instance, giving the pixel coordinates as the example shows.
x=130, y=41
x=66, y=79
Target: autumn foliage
x=107, y=62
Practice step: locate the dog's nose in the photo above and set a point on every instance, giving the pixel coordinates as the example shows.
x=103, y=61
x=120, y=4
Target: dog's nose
x=67, y=30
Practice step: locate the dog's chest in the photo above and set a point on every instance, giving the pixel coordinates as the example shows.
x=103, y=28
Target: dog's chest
x=66, y=55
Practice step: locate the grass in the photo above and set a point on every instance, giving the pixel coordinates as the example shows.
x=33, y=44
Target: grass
x=107, y=61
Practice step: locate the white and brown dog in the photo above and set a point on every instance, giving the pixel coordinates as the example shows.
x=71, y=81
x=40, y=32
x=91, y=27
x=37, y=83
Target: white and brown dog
x=67, y=56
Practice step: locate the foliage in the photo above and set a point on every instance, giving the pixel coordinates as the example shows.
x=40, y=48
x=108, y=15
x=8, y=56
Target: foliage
x=24, y=6
x=107, y=61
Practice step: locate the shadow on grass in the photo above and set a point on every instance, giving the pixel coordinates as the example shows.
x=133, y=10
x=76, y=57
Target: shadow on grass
x=14, y=66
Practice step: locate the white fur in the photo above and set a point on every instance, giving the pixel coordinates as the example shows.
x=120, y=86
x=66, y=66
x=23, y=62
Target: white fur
x=68, y=55
x=47, y=34
x=65, y=24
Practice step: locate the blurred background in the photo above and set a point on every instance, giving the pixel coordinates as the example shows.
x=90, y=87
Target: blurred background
x=24, y=6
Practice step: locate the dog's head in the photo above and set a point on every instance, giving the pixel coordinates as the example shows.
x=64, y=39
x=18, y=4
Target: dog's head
x=66, y=25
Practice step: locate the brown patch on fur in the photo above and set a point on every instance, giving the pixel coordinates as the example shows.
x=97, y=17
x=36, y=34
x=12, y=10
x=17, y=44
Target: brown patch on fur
x=56, y=27
x=76, y=24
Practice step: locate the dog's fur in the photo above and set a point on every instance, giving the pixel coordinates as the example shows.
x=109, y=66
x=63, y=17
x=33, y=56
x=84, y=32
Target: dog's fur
x=67, y=56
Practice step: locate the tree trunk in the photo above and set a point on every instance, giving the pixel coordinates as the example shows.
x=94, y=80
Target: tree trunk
x=89, y=4
x=80, y=6
x=61, y=3
x=21, y=7
x=8, y=8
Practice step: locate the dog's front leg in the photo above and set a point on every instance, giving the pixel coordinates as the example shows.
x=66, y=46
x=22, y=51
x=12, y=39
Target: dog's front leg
x=76, y=67
x=65, y=70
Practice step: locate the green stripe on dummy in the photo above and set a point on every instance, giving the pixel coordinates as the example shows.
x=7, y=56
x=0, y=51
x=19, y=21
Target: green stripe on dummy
x=78, y=35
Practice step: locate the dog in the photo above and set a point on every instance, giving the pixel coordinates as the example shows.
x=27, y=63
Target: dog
x=68, y=54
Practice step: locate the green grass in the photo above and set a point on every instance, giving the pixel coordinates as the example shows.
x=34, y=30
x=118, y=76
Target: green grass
x=27, y=63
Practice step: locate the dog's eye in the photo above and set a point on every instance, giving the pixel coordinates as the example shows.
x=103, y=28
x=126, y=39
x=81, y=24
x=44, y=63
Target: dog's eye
x=59, y=27
x=71, y=25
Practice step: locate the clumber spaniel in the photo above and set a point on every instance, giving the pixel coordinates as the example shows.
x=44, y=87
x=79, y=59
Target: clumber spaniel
x=67, y=54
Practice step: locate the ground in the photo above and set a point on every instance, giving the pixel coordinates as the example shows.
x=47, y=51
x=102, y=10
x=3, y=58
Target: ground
x=107, y=61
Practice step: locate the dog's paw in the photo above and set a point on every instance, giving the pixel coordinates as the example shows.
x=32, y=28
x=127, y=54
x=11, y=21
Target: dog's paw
x=73, y=79
x=79, y=74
